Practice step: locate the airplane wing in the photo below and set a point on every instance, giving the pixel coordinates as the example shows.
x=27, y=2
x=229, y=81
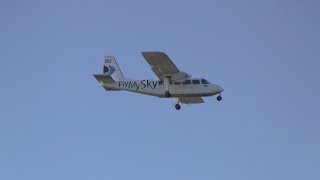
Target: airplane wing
x=160, y=64
x=191, y=100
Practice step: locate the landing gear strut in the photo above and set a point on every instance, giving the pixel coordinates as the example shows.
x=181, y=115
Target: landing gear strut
x=166, y=82
x=219, y=98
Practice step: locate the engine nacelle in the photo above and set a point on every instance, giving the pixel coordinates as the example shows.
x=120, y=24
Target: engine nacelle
x=180, y=77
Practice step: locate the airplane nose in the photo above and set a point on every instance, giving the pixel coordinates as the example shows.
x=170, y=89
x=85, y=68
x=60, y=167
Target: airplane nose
x=220, y=89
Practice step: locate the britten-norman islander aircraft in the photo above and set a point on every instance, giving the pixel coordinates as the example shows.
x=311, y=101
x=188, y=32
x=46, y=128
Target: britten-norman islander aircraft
x=172, y=82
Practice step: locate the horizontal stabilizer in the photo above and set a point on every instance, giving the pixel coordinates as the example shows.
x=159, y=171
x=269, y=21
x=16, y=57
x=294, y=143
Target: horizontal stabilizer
x=111, y=89
x=102, y=78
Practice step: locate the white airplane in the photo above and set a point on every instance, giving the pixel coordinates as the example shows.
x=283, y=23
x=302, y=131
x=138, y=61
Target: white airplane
x=172, y=83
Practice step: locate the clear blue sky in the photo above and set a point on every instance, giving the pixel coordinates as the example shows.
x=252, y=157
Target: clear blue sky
x=57, y=123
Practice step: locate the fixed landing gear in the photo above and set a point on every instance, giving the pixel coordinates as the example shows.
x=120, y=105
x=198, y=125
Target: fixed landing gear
x=166, y=82
x=177, y=106
x=219, y=98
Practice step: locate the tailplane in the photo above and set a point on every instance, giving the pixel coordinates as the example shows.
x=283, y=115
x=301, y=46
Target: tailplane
x=112, y=69
x=103, y=78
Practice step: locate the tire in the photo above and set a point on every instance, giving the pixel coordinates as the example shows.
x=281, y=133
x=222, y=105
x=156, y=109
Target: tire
x=167, y=94
x=219, y=98
x=177, y=106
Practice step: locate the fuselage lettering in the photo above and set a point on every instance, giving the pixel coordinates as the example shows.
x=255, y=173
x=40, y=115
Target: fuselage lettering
x=138, y=85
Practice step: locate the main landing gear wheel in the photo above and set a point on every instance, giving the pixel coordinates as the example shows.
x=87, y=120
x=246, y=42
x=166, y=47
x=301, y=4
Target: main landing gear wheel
x=177, y=106
x=219, y=98
x=167, y=94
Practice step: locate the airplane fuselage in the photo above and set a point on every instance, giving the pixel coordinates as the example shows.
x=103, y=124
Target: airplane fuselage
x=188, y=88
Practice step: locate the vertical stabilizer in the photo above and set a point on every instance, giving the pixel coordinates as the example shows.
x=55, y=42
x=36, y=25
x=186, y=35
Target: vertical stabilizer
x=111, y=68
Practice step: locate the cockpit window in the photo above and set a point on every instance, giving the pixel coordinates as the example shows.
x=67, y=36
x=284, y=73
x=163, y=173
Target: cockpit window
x=195, y=81
x=203, y=81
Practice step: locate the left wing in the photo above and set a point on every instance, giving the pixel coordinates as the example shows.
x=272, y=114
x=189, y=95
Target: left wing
x=191, y=100
x=160, y=64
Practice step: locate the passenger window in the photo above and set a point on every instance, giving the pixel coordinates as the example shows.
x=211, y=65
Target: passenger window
x=203, y=81
x=187, y=82
x=195, y=81
x=176, y=83
x=160, y=82
x=170, y=82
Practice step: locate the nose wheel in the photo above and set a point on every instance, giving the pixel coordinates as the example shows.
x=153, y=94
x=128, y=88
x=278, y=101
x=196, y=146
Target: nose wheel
x=219, y=98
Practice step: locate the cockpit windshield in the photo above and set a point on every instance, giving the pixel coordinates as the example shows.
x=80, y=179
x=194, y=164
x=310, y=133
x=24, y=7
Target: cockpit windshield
x=203, y=81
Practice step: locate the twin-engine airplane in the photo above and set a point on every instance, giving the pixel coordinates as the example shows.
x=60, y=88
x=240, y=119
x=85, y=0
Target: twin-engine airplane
x=172, y=82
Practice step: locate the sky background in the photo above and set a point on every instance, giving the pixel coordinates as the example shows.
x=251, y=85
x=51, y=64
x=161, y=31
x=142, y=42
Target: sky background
x=56, y=122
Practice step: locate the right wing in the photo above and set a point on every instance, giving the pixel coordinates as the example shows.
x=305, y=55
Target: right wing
x=191, y=100
x=160, y=64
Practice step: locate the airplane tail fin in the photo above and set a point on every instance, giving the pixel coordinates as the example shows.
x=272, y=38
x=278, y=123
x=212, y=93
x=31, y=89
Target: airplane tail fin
x=111, y=68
